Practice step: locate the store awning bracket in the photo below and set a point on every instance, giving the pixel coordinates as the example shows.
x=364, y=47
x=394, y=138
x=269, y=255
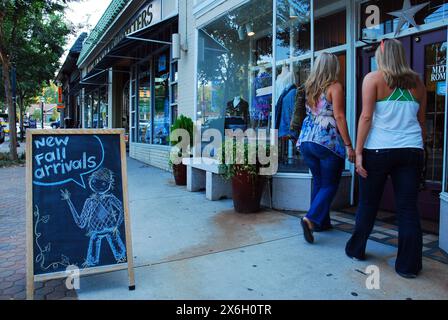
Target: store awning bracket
x=92, y=76
x=123, y=57
x=148, y=40
x=92, y=84
x=113, y=70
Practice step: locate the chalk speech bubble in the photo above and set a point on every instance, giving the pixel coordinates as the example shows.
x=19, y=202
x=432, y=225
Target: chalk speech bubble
x=59, y=159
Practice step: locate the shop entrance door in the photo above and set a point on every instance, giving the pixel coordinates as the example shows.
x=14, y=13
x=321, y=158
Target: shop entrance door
x=427, y=54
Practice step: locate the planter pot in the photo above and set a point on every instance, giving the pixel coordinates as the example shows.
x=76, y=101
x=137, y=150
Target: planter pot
x=247, y=191
x=180, y=174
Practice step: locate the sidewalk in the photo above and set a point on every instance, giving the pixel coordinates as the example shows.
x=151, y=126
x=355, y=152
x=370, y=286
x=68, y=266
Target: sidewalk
x=4, y=147
x=186, y=247
x=12, y=242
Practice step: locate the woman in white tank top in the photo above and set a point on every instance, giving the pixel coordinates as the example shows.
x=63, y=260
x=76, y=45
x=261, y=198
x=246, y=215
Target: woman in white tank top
x=390, y=143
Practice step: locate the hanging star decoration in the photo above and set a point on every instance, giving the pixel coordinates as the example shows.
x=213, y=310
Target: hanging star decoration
x=407, y=14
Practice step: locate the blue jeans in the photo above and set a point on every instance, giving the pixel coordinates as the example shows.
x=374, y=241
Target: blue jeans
x=405, y=168
x=326, y=168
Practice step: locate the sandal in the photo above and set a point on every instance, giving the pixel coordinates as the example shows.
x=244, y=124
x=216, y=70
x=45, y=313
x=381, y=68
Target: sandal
x=307, y=232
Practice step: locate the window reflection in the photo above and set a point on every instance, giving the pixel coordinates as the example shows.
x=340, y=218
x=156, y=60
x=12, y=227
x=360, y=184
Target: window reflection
x=235, y=69
x=162, y=100
x=144, y=104
x=330, y=24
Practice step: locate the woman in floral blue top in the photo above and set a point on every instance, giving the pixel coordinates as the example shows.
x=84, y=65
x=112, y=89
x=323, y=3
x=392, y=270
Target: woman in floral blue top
x=324, y=140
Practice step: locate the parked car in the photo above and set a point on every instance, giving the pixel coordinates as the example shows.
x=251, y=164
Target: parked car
x=32, y=124
x=55, y=124
x=4, y=123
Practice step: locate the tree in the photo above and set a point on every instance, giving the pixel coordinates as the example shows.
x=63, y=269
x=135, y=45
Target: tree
x=32, y=37
x=55, y=115
x=37, y=114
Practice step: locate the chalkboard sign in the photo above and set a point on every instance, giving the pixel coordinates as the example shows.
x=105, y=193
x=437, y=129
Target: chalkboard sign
x=77, y=204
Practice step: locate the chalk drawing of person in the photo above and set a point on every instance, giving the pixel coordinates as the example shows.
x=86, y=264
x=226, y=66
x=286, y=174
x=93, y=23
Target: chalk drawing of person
x=101, y=216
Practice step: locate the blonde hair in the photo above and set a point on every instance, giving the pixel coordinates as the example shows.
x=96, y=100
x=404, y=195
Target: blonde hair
x=325, y=72
x=391, y=60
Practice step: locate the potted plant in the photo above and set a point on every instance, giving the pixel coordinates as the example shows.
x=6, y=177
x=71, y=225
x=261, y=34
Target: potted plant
x=180, y=170
x=247, y=183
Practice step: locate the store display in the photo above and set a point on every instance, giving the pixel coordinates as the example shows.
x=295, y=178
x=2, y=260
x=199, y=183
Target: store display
x=284, y=112
x=261, y=106
x=237, y=114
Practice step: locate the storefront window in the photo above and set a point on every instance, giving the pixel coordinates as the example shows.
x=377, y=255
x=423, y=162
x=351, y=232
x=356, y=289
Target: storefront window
x=103, y=109
x=125, y=108
x=88, y=111
x=330, y=28
x=435, y=80
x=95, y=102
x=235, y=69
x=293, y=28
x=435, y=11
x=162, y=99
x=144, y=104
x=293, y=39
x=133, y=106
x=293, y=63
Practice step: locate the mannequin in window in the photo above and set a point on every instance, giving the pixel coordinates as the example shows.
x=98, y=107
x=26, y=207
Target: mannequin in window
x=237, y=112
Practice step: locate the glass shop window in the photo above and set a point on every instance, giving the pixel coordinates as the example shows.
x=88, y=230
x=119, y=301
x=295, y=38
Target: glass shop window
x=235, y=69
x=162, y=99
x=144, y=104
x=293, y=28
x=293, y=64
x=330, y=24
x=103, y=108
x=95, y=102
x=88, y=111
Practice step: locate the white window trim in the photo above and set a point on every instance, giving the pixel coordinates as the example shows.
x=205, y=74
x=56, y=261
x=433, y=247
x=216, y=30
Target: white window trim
x=205, y=6
x=151, y=146
x=444, y=196
x=445, y=157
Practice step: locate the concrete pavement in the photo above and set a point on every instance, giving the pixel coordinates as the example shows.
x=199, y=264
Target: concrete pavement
x=186, y=247
x=13, y=245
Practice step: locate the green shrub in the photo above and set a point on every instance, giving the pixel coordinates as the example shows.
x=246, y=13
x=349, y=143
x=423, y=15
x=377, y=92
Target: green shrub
x=186, y=123
x=243, y=167
x=183, y=122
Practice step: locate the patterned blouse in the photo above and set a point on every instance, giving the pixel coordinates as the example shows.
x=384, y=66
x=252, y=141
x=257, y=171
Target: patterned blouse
x=320, y=127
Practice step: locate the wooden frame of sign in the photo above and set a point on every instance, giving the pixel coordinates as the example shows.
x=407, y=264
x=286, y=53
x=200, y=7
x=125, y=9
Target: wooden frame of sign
x=129, y=265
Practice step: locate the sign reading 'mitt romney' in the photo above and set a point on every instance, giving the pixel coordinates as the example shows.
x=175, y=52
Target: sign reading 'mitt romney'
x=149, y=15
x=77, y=204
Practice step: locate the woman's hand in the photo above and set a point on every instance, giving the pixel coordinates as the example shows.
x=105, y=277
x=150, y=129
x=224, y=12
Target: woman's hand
x=359, y=166
x=351, y=155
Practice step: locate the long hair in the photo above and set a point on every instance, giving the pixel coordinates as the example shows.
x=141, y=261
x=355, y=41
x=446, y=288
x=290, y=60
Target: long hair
x=391, y=60
x=324, y=73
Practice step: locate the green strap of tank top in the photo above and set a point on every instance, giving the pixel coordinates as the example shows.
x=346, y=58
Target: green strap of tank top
x=400, y=95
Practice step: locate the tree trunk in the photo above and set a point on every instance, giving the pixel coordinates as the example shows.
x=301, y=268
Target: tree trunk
x=11, y=110
x=21, y=111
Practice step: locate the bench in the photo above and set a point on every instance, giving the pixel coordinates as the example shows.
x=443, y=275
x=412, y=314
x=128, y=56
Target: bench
x=207, y=176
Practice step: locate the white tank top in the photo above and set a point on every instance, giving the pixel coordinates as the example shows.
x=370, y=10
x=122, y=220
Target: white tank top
x=395, y=123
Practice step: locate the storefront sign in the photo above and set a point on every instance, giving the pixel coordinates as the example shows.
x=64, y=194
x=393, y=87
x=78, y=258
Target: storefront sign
x=77, y=213
x=438, y=73
x=149, y=15
x=162, y=63
x=60, y=98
